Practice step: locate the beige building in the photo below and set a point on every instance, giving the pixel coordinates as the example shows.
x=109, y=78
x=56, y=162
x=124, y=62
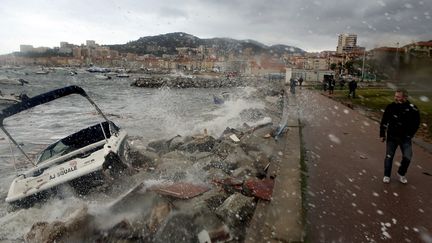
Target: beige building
x=91, y=43
x=30, y=48
x=336, y=59
x=316, y=64
x=26, y=48
x=422, y=48
x=311, y=75
x=346, y=43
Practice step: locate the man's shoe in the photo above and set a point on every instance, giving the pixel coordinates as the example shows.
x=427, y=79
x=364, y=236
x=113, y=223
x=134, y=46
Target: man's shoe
x=386, y=179
x=402, y=179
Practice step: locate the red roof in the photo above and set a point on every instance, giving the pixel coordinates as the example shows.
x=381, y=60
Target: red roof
x=424, y=43
x=385, y=49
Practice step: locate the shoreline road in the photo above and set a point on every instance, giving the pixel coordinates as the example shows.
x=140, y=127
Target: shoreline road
x=345, y=198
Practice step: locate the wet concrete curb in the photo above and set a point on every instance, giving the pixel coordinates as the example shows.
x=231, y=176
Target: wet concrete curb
x=281, y=219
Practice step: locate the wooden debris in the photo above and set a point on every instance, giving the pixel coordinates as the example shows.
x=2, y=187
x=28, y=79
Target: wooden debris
x=182, y=190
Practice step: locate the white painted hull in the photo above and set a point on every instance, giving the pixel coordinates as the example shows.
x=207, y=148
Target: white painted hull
x=66, y=168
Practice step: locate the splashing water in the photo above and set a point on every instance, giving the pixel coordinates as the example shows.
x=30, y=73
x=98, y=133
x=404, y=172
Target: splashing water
x=147, y=113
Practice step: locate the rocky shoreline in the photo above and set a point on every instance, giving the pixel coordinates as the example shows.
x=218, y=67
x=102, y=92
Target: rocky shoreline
x=187, y=189
x=157, y=81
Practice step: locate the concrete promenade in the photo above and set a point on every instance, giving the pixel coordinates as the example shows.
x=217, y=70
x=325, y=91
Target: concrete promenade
x=281, y=219
x=345, y=199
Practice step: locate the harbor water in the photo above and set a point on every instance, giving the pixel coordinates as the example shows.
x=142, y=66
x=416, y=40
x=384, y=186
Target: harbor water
x=149, y=114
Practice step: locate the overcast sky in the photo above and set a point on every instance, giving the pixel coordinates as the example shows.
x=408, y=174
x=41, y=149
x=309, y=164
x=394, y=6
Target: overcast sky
x=309, y=25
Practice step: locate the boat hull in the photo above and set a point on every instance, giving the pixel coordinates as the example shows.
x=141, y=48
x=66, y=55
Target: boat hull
x=71, y=170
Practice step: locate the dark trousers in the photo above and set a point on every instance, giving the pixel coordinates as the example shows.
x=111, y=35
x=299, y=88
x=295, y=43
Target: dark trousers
x=392, y=144
x=351, y=93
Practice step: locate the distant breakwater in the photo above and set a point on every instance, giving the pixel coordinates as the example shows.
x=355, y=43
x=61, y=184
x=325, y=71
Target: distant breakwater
x=187, y=82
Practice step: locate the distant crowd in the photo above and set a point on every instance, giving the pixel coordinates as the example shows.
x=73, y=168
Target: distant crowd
x=329, y=84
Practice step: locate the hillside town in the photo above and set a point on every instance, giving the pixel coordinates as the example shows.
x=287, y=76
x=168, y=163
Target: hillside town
x=205, y=59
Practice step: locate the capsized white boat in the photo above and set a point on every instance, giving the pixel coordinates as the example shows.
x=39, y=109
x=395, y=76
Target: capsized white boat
x=42, y=72
x=79, y=159
x=102, y=76
x=12, y=81
x=9, y=99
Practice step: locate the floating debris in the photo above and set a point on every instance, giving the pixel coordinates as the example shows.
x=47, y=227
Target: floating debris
x=182, y=190
x=234, y=138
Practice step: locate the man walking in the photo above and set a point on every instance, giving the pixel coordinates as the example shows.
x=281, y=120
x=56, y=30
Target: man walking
x=352, y=85
x=300, y=82
x=331, y=85
x=400, y=121
x=293, y=84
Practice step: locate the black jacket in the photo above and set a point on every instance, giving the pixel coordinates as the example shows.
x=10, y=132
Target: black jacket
x=352, y=85
x=400, y=120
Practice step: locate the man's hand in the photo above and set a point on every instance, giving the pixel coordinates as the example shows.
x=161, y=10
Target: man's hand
x=383, y=139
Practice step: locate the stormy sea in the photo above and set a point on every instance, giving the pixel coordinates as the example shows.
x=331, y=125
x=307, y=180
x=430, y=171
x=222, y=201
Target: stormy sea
x=147, y=114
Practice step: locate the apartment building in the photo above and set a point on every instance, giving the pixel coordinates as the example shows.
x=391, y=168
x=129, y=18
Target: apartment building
x=66, y=47
x=26, y=48
x=317, y=64
x=346, y=43
x=30, y=48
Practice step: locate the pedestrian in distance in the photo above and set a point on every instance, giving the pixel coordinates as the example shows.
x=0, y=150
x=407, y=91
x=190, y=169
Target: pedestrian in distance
x=293, y=84
x=325, y=85
x=331, y=85
x=399, y=123
x=280, y=101
x=300, y=82
x=352, y=85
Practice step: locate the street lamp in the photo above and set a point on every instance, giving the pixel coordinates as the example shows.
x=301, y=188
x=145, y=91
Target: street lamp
x=397, y=60
x=364, y=56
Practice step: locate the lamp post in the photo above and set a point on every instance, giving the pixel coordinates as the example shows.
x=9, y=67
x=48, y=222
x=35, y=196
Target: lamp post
x=364, y=57
x=397, y=49
x=397, y=61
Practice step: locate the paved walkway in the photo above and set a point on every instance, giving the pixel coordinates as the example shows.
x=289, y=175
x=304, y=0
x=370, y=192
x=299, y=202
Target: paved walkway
x=346, y=200
x=281, y=219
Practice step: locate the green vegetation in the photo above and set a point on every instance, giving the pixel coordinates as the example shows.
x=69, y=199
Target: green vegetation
x=376, y=99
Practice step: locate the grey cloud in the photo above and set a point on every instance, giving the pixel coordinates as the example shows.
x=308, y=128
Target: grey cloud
x=308, y=23
x=170, y=12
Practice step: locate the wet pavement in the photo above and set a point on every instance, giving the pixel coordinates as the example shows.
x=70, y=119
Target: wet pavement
x=346, y=200
x=281, y=219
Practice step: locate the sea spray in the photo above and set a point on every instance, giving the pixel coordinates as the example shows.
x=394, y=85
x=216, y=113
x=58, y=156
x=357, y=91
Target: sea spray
x=228, y=115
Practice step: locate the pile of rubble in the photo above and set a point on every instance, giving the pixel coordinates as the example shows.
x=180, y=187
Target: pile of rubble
x=192, y=189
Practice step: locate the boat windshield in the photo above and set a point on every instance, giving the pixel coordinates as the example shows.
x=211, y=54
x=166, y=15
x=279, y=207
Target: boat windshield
x=80, y=139
x=54, y=150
